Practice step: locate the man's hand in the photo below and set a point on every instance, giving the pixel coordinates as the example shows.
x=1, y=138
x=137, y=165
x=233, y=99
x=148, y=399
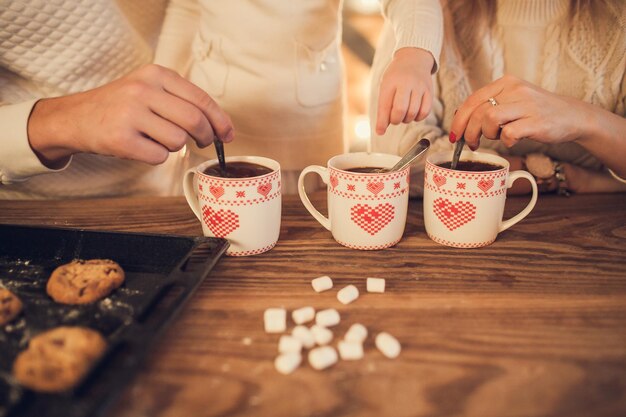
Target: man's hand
x=143, y=116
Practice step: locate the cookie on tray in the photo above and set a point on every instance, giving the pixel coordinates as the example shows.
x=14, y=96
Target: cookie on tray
x=83, y=282
x=10, y=306
x=56, y=360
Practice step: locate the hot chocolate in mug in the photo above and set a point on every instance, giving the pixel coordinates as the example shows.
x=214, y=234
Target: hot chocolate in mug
x=464, y=208
x=245, y=211
x=366, y=210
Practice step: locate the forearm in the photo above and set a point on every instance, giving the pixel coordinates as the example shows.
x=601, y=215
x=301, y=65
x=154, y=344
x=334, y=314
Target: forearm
x=578, y=180
x=604, y=136
x=584, y=181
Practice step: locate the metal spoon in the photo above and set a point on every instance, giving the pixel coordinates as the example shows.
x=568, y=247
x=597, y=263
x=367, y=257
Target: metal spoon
x=457, y=152
x=412, y=154
x=219, y=149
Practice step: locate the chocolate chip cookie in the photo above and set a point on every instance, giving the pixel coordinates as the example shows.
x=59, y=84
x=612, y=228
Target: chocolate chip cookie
x=10, y=306
x=82, y=282
x=56, y=360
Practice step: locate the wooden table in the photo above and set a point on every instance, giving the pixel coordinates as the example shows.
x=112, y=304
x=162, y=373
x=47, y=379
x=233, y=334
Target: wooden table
x=533, y=325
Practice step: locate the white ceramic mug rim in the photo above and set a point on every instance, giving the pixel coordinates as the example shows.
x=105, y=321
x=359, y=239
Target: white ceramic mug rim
x=446, y=156
x=331, y=164
x=261, y=160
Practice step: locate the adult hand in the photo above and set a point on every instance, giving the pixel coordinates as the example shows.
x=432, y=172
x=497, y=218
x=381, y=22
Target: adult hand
x=143, y=116
x=523, y=110
x=406, y=89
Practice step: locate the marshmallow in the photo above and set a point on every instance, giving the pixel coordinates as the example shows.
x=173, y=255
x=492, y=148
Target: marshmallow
x=388, y=345
x=322, y=283
x=348, y=294
x=275, y=320
x=322, y=357
x=350, y=351
x=356, y=333
x=376, y=285
x=327, y=318
x=289, y=344
x=304, y=335
x=287, y=362
x=303, y=315
x=321, y=335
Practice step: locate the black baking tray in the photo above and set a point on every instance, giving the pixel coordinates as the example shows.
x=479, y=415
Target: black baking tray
x=162, y=272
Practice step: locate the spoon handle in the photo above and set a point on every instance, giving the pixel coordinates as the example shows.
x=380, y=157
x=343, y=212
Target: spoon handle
x=457, y=152
x=412, y=154
x=219, y=149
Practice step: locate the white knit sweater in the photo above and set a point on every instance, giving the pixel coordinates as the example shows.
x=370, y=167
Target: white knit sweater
x=532, y=40
x=57, y=47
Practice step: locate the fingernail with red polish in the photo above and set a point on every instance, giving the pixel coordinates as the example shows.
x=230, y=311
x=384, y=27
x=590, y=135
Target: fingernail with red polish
x=452, y=137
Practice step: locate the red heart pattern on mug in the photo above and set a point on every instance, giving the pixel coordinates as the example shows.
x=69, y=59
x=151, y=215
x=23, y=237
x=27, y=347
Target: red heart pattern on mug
x=216, y=191
x=220, y=222
x=264, y=189
x=439, y=180
x=375, y=187
x=334, y=181
x=454, y=215
x=372, y=219
x=485, y=184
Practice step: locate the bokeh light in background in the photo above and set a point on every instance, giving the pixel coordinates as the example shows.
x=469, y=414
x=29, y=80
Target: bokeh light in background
x=361, y=133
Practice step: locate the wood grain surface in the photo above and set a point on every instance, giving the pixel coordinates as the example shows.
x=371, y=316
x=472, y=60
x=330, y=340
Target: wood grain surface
x=533, y=325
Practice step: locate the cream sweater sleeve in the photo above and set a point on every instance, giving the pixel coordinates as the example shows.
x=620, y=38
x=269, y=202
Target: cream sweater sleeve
x=416, y=23
x=177, y=34
x=18, y=162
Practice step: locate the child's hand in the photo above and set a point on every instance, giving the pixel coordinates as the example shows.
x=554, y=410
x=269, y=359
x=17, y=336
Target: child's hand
x=406, y=88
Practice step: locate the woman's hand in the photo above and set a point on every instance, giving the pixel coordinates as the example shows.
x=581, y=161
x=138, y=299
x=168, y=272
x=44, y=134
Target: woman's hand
x=523, y=110
x=143, y=116
x=406, y=89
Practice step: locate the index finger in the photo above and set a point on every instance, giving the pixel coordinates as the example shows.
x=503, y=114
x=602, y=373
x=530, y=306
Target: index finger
x=463, y=113
x=219, y=120
x=385, y=101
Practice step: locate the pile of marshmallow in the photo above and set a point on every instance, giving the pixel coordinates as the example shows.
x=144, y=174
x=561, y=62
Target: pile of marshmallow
x=321, y=357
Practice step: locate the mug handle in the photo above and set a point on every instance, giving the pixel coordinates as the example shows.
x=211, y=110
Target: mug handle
x=322, y=172
x=513, y=176
x=190, y=192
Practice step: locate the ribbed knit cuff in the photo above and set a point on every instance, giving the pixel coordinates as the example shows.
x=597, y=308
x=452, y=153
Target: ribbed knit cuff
x=18, y=161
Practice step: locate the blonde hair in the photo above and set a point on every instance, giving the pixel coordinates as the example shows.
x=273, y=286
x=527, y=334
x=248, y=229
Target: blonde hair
x=470, y=21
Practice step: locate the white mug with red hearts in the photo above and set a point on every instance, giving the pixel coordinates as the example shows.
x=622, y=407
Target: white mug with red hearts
x=245, y=211
x=365, y=210
x=464, y=209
